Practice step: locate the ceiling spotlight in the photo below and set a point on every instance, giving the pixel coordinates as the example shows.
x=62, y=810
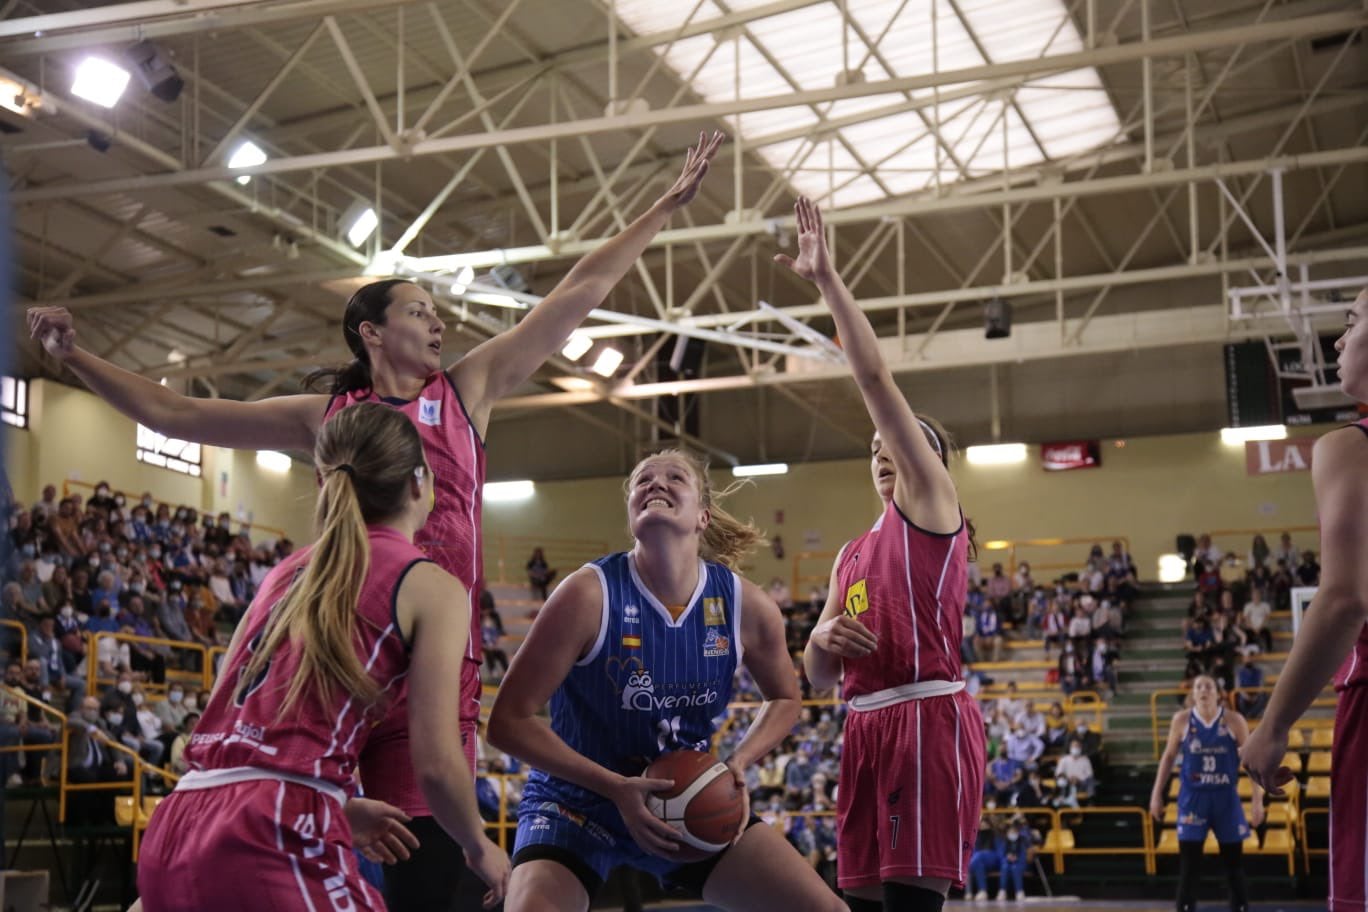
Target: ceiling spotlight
x=99, y=81
x=461, y=281
x=577, y=346
x=248, y=154
x=361, y=224
x=608, y=361
x=156, y=71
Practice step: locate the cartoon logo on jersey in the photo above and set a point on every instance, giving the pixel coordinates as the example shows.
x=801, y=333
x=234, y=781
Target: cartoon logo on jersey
x=430, y=411
x=639, y=691
x=714, y=614
x=631, y=614
x=857, y=599
x=716, y=644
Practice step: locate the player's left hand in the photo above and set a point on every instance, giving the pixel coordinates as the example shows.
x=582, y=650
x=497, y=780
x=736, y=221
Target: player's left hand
x=739, y=775
x=813, y=259
x=1262, y=756
x=378, y=830
x=696, y=164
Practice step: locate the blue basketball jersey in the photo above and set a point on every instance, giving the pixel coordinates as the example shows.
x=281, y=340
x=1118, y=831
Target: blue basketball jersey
x=1211, y=759
x=651, y=683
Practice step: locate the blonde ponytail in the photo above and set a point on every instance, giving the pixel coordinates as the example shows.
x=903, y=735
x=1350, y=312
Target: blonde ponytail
x=366, y=457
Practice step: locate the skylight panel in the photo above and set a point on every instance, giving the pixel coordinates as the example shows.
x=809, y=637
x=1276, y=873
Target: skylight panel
x=808, y=48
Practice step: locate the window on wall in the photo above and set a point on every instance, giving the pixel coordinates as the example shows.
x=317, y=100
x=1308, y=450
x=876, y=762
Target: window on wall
x=168, y=453
x=14, y=401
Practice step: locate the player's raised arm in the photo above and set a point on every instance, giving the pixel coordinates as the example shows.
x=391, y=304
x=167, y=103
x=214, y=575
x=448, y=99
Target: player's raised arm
x=282, y=422
x=497, y=367
x=924, y=491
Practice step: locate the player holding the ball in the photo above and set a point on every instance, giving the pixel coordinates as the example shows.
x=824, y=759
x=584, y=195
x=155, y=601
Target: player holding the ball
x=912, y=763
x=636, y=653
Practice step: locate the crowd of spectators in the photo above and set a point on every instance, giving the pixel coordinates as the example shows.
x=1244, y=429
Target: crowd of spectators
x=1227, y=625
x=114, y=564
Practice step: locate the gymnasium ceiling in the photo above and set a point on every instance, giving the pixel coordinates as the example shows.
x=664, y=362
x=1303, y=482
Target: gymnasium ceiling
x=1128, y=154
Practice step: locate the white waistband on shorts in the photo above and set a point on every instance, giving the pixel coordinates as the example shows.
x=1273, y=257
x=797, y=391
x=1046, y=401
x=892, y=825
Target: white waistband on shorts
x=207, y=779
x=904, y=692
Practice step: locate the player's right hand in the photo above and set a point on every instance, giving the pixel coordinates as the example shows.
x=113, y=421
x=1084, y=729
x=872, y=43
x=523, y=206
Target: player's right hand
x=53, y=327
x=1156, y=807
x=490, y=863
x=845, y=637
x=649, y=832
x=1262, y=756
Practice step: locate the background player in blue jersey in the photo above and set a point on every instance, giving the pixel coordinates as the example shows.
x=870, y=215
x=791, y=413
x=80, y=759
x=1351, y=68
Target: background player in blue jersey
x=1208, y=737
x=636, y=654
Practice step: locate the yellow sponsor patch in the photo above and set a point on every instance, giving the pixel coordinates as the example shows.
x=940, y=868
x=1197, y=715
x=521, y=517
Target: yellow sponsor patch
x=714, y=613
x=632, y=641
x=857, y=599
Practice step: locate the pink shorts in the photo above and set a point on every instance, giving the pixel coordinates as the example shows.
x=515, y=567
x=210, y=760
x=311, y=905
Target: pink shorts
x=1349, y=804
x=263, y=845
x=911, y=791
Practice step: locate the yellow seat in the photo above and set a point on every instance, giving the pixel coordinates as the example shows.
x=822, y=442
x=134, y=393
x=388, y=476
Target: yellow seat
x=1174, y=784
x=1168, y=843
x=1322, y=738
x=1319, y=763
x=1293, y=762
x=1056, y=840
x=123, y=810
x=149, y=804
x=1277, y=814
x=1318, y=787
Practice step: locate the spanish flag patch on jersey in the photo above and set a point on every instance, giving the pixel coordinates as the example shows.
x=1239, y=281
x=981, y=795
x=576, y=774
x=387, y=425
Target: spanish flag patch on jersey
x=632, y=642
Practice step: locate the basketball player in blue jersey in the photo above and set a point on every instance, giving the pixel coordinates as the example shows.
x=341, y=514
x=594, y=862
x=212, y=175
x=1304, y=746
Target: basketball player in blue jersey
x=636, y=654
x=1208, y=737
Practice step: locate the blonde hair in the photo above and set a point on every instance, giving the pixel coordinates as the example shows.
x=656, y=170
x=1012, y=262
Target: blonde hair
x=726, y=540
x=366, y=457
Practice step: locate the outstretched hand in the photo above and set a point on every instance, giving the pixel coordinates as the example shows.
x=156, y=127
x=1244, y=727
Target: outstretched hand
x=813, y=259
x=53, y=328
x=695, y=167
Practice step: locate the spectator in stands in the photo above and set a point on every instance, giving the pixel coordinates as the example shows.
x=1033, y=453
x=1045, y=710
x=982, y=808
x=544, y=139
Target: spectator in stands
x=31, y=587
x=1024, y=748
x=1028, y=793
x=1206, y=551
x=1200, y=645
x=1103, y=670
x=1072, y=674
x=120, y=712
x=46, y=649
x=229, y=607
x=1281, y=585
x=1054, y=626
x=1227, y=641
x=779, y=591
x=1000, y=773
x=11, y=602
x=1286, y=551
x=539, y=574
x=1056, y=726
x=490, y=632
x=1308, y=571
x=1260, y=555
x=985, y=858
x=1093, y=577
x=1106, y=618
x=1209, y=578
x=172, y=711
x=1011, y=704
x=65, y=527
x=101, y=500
x=1249, y=700
x=987, y=632
x=968, y=627
x=1074, y=777
x=998, y=589
x=47, y=507
x=91, y=759
x=1080, y=626
x=1232, y=572
x=1091, y=740
x=1032, y=720
x=57, y=590
x=799, y=772
x=1254, y=620
x=13, y=724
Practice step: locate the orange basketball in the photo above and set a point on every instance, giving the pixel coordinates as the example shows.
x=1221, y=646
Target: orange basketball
x=705, y=807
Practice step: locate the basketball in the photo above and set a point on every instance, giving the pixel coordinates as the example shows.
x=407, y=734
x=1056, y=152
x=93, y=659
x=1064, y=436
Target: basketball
x=704, y=806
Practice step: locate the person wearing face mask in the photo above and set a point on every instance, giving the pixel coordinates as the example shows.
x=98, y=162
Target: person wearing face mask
x=57, y=590
x=13, y=725
x=121, y=716
x=1018, y=850
x=90, y=758
x=1024, y=748
x=102, y=499
x=985, y=857
x=1074, y=776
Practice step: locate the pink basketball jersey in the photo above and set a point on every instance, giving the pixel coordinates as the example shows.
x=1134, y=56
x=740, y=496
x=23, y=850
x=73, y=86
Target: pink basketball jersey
x=451, y=536
x=1354, y=671
x=908, y=586
x=319, y=739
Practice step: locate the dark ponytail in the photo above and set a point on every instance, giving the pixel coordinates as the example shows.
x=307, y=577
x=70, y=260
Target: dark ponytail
x=367, y=305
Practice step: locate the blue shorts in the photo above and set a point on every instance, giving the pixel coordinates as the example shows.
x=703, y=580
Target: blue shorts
x=1218, y=810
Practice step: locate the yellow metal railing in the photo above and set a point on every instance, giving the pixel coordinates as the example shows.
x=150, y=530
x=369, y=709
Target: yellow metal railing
x=1307, y=851
x=506, y=556
x=138, y=769
x=1024, y=549
x=58, y=746
x=23, y=638
x=94, y=681
x=1146, y=850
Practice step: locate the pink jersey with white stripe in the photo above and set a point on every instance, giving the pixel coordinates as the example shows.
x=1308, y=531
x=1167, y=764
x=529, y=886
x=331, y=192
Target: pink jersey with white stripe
x=1354, y=671
x=317, y=739
x=908, y=586
x=451, y=536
